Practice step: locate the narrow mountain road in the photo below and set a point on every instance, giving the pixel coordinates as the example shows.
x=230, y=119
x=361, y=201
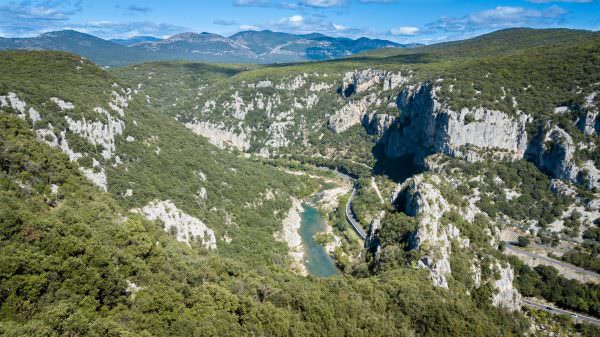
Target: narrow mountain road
x=352, y=218
x=541, y=259
x=557, y=311
x=349, y=213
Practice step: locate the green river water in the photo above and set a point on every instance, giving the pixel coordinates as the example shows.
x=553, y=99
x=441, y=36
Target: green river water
x=317, y=260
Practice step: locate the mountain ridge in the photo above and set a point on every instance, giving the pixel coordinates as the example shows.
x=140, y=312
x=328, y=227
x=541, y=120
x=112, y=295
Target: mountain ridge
x=242, y=47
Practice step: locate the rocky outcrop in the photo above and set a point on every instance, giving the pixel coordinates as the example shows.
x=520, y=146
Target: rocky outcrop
x=436, y=239
x=372, y=240
x=425, y=202
x=363, y=80
x=186, y=228
x=553, y=150
x=589, y=120
x=505, y=295
x=293, y=84
x=426, y=126
x=19, y=107
x=63, y=105
x=351, y=114
x=98, y=133
x=219, y=135
x=290, y=234
x=378, y=124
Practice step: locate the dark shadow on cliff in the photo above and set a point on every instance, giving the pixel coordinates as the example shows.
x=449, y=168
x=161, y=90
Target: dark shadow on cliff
x=396, y=169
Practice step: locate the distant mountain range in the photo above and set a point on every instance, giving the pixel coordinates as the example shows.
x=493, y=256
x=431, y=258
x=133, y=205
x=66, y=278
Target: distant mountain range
x=244, y=47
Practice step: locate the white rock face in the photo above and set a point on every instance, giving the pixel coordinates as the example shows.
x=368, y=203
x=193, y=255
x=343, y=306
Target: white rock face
x=423, y=200
x=363, y=80
x=378, y=124
x=294, y=84
x=351, y=114
x=97, y=132
x=12, y=100
x=220, y=136
x=553, y=150
x=237, y=108
x=291, y=235
x=317, y=87
x=264, y=84
x=187, y=227
x=96, y=176
x=425, y=126
x=506, y=296
x=62, y=104
x=48, y=136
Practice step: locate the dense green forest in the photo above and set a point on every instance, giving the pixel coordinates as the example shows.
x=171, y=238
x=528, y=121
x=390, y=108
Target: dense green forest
x=76, y=263
x=84, y=151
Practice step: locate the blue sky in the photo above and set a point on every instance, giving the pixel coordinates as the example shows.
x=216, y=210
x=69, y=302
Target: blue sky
x=424, y=21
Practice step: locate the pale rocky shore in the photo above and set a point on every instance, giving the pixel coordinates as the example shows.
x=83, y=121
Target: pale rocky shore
x=291, y=235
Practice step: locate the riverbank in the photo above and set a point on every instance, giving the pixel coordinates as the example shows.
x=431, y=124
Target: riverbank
x=307, y=220
x=291, y=235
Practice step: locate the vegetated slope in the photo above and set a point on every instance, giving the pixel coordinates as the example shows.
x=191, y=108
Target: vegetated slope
x=77, y=261
x=502, y=42
x=145, y=159
x=289, y=109
x=534, y=110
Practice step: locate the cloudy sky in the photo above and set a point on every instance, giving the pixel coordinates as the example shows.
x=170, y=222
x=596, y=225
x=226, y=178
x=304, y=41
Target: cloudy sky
x=424, y=21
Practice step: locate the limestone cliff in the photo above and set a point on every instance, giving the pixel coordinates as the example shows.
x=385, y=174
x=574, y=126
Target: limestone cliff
x=427, y=126
x=362, y=80
x=421, y=198
x=553, y=151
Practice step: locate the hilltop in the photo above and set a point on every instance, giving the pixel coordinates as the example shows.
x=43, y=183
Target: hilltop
x=243, y=47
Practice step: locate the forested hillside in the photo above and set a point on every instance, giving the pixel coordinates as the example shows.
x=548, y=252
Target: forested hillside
x=78, y=261
x=153, y=200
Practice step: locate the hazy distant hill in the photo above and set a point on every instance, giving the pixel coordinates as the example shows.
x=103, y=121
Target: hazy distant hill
x=101, y=51
x=134, y=40
x=243, y=47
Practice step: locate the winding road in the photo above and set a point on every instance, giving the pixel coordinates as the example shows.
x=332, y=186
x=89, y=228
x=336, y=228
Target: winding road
x=557, y=311
x=585, y=275
x=349, y=213
x=352, y=218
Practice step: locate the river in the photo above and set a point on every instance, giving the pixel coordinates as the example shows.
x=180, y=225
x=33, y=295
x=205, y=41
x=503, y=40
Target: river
x=316, y=259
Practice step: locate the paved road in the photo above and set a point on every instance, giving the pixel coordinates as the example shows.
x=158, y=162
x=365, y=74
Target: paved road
x=557, y=311
x=349, y=213
x=352, y=219
x=551, y=261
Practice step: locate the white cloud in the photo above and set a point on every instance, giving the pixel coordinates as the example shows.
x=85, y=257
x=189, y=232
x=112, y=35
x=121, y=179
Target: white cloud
x=249, y=27
x=324, y=3
x=405, y=31
x=286, y=4
x=27, y=18
x=111, y=29
x=499, y=17
x=566, y=1
x=291, y=21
